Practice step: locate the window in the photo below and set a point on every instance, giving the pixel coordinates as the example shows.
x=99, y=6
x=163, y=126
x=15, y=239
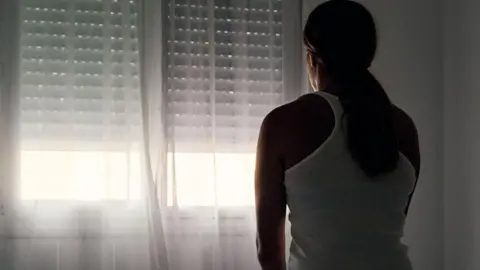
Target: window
x=80, y=97
x=80, y=100
x=225, y=73
x=225, y=70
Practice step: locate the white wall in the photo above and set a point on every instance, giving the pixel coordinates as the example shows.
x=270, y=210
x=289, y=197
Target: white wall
x=409, y=64
x=462, y=130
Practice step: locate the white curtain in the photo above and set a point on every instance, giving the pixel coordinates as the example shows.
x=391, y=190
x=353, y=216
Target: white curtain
x=133, y=126
x=77, y=195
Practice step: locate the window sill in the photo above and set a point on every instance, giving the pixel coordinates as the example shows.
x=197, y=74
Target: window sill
x=117, y=220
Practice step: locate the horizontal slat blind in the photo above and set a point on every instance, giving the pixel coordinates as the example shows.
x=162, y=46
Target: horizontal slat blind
x=79, y=70
x=225, y=69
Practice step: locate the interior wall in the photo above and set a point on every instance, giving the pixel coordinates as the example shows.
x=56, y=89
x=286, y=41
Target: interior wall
x=462, y=130
x=409, y=65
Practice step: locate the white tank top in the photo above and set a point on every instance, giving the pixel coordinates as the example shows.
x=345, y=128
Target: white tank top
x=339, y=218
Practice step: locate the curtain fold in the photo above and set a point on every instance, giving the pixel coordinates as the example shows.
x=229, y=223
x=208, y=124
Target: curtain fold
x=152, y=69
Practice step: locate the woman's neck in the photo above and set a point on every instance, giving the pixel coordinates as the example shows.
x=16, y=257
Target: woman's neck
x=332, y=90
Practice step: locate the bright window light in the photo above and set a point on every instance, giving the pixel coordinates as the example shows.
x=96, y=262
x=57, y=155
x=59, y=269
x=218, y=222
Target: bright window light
x=201, y=179
x=80, y=175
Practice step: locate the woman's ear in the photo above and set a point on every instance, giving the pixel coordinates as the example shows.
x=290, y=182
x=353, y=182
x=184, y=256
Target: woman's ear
x=311, y=61
x=313, y=71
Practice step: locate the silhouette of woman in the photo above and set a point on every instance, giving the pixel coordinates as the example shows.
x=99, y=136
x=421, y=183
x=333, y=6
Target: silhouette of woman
x=344, y=159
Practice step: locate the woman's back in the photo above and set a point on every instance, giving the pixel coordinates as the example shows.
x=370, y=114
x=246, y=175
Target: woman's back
x=340, y=219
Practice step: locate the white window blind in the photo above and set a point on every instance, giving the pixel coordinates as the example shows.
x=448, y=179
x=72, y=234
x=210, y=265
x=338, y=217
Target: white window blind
x=80, y=117
x=225, y=70
x=80, y=88
x=79, y=70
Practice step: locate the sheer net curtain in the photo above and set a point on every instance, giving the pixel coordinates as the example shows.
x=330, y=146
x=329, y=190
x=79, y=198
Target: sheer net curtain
x=78, y=200
x=222, y=71
x=135, y=126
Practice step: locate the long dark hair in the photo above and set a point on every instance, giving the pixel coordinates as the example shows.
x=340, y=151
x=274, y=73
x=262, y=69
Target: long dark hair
x=341, y=38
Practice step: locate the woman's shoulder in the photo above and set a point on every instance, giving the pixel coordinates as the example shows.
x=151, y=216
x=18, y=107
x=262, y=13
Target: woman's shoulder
x=404, y=124
x=408, y=138
x=303, y=104
x=301, y=126
x=307, y=110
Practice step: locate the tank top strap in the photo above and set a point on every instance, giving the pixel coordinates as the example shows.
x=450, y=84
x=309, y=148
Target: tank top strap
x=336, y=134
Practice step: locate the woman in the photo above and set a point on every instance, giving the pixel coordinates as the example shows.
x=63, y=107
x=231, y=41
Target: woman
x=344, y=159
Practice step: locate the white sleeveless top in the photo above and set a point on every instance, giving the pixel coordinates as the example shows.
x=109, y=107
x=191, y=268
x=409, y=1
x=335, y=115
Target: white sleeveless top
x=340, y=219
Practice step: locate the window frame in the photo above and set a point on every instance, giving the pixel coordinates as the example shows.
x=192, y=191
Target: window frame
x=10, y=206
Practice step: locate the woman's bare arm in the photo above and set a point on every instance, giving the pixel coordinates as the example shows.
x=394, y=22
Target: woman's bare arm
x=270, y=197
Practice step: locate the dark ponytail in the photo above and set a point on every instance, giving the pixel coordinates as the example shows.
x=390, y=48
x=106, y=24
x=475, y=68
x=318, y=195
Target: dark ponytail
x=341, y=35
x=368, y=120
